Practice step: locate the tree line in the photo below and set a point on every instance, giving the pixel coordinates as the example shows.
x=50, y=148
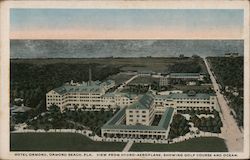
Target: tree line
x=229, y=72
x=32, y=81
x=78, y=119
x=178, y=127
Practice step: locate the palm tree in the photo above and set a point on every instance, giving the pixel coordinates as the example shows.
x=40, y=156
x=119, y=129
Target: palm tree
x=84, y=107
x=75, y=107
x=79, y=110
x=102, y=110
x=46, y=128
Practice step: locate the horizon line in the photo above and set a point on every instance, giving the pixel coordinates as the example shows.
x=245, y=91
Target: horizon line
x=124, y=57
x=139, y=39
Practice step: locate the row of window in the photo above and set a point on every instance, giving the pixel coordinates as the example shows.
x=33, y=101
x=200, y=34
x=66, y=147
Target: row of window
x=142, y=120
x=87, y=93
x=136, y=111
x=193, y=102
x=143, y=116
x=184, y=107
x=53, y=99
x=50, y=103
x=53, y=96
x=133, y=131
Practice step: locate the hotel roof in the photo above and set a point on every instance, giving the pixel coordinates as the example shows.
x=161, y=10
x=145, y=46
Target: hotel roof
x=144, y=103
x=19, y=109
x=128, y=95
x=116, y=117
x=95, y=86
x=185, y=74
x=82, y=88
x=185, y=96
x=166, y=118
x=132, y=127
x=163, y=124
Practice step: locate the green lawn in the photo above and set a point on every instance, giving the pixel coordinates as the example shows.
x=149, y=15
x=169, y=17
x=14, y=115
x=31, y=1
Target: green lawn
x=59, y=142
x=201, y=88
x=204, y=144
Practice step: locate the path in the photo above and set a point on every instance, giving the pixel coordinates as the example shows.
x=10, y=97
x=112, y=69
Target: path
x=125, y=83
x=230, y=131
x=128, y=146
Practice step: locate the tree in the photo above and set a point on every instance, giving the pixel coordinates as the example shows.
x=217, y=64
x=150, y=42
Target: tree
x=46, y=128
x=84, y=107
x=197, y=131
x=75, y=107
x=35, y=127
x=54, y=109
x=192, y=112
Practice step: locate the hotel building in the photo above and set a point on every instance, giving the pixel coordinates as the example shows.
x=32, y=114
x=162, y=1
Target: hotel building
x=86, y=95
x=165, y=80
x=139, y=116
x=141, y=112
x=183, y=101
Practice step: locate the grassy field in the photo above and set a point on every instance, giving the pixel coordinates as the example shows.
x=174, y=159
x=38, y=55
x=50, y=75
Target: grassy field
x=159, y=64
x=144, y=80
x=78, y=142
x=119, y=78
x=201, y=88
x=59, y=142
x=205, y=144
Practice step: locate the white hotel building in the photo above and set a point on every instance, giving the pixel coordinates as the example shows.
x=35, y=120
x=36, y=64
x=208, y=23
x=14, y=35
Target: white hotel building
x=141, y=112
x=88, y=95
x=183, y=101
x=138, y=112
x=140, y=115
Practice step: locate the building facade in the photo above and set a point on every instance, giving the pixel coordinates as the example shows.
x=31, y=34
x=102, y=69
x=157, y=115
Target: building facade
x=113, y=129
x=183, y=101
x=87, y=95
x=164, y=81
x=141, y=112
x=172, y=77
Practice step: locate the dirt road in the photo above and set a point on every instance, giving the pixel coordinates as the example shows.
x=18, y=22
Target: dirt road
x=230, y=131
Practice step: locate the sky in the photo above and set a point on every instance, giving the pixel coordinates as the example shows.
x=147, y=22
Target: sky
x=126, y=23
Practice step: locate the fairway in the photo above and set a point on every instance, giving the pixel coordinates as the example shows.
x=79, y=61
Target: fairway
x=156, y=64
x=59, y=142
x=205, y=144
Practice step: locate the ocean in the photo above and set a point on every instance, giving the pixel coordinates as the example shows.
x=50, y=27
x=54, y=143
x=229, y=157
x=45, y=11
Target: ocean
x=122, y=48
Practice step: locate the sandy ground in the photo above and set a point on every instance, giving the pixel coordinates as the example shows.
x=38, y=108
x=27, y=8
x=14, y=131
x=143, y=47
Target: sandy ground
x=230, y=131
